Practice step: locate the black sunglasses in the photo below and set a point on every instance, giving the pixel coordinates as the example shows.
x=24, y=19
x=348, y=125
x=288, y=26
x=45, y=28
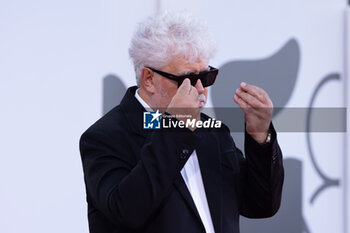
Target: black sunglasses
x=207, y=77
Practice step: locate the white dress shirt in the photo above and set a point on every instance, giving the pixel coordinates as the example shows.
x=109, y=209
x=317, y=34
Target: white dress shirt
x=191, y=174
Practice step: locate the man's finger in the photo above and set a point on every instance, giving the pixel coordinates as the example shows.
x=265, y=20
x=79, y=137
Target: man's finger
x=255, y=91
x=241, y=103
x=246, y=108
x=185, y=87
x=249, y=99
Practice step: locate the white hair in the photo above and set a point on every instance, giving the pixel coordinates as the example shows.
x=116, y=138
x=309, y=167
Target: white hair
x=161, y=38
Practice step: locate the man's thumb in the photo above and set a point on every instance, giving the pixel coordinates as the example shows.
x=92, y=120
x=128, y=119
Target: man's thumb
x=185, y=87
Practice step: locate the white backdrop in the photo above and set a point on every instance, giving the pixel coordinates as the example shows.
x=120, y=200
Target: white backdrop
x=55, y=54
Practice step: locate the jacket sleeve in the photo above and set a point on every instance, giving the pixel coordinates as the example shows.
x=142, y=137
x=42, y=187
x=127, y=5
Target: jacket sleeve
x=126, y=193
x=262, y=177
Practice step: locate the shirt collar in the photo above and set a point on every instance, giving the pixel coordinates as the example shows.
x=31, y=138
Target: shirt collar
x=142, y=102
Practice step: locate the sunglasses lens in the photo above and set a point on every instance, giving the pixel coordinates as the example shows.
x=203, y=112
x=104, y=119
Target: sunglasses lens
x=179, y=82
x=212, y=78
x=204, y=80
x=194, y=81
x=207, y=78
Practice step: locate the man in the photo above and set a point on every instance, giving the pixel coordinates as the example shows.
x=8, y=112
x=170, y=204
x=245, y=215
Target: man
x=178, y=180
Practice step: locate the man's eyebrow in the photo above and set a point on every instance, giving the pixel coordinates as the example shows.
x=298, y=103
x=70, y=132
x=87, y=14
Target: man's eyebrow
x=188, y=73
x=191, y=72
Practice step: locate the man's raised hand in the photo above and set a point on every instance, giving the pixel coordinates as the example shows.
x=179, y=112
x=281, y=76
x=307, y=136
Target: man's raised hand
x=185, y=102
x=258, y=109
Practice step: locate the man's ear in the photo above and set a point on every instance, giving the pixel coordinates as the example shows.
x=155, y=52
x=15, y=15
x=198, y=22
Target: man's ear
x=147, y=79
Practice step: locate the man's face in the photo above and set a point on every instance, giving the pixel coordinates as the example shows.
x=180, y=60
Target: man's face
x=166, y=88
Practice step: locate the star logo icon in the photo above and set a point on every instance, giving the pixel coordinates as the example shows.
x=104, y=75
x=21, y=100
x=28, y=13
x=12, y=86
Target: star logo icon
x=151, y=120
x=156, y=116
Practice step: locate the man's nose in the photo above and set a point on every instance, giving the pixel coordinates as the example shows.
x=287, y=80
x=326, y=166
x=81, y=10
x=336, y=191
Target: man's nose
x=199, y=86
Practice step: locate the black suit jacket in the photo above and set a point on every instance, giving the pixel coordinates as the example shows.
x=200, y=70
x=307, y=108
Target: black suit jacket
x=133, y=180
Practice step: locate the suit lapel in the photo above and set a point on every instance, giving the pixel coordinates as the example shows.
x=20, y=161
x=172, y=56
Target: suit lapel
x=186, y=195
x=134, y=112
x=210, y=165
